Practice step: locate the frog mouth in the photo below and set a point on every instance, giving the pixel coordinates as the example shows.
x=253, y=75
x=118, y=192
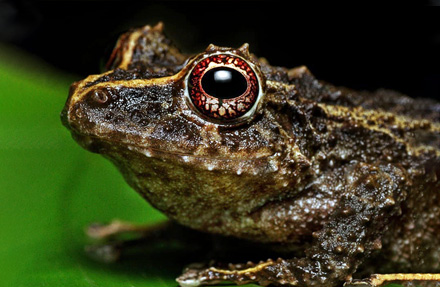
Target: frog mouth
x=238, y=165
x=256, y=164
x=116, y=144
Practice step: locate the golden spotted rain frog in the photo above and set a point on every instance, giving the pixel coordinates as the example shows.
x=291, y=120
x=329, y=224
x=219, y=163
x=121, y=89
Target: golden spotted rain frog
x=224, y=143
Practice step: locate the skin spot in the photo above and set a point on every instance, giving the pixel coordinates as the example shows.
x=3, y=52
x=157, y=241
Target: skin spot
x=360, y=249
x=389, y=201
x=147, y=153
x=339, y=249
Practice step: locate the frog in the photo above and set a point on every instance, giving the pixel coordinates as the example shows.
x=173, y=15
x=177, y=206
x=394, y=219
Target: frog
x=224, y=143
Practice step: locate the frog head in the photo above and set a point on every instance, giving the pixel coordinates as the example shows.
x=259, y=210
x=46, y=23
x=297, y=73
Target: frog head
x=193, y=135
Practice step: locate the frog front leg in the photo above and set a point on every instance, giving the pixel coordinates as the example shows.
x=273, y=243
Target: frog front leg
x=110, y=241
x=372, y=198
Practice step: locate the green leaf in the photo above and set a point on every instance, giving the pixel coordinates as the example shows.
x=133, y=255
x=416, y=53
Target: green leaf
x=50, y=189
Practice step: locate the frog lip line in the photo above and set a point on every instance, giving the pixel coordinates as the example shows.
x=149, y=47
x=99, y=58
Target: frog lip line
x=185, y=157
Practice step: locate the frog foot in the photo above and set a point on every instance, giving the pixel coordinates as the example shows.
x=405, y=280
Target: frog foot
x=106, y=253
x=195, y=276
x=261, y=273
x=109, y=240
x=376, y=280
x=118, y=227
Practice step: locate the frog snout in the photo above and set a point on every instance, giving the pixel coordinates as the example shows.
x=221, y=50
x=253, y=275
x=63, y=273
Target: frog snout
x=80, y=111
x=63, y=117
x=73, y=117
x=67, y=106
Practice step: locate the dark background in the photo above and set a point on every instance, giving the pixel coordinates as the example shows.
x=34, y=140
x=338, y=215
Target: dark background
x=362, y=48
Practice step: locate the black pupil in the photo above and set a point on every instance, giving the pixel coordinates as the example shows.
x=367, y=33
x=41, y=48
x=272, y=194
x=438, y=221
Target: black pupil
x=224, y=83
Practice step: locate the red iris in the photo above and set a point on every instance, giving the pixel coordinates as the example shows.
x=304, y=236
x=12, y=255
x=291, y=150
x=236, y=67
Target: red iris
x=223, y=86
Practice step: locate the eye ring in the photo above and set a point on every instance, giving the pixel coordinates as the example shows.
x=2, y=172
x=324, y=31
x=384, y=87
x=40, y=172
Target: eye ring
x=223, y=88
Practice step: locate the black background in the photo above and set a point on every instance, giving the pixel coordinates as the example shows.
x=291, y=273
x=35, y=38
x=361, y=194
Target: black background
x=363, y=48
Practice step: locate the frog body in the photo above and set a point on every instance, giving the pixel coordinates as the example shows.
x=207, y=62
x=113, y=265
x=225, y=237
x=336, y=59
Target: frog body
x=273, y=156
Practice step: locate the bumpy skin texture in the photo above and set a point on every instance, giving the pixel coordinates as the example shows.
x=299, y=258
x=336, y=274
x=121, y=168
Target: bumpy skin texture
x=345, y=177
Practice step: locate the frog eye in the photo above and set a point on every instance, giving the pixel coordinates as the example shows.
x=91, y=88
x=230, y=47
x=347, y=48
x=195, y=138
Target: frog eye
x=223, y=87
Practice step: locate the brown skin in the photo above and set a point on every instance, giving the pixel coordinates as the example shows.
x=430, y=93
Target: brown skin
x=348, y=177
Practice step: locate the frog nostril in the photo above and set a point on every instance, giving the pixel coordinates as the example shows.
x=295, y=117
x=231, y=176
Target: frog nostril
x=99, y=96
